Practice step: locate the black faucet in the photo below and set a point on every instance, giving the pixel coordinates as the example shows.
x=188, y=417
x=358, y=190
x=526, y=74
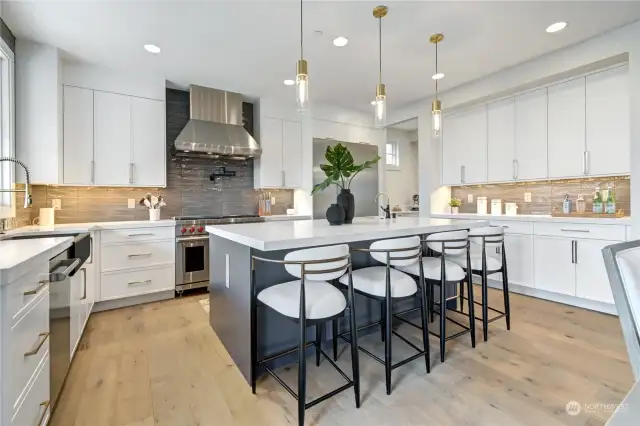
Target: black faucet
x=387, y=212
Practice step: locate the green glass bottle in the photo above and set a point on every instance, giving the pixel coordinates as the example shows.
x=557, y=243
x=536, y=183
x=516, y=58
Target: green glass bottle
x=610, y=206
x=597, y=201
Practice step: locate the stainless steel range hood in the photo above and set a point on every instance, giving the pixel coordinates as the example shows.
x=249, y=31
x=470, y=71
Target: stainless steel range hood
x=215, y=126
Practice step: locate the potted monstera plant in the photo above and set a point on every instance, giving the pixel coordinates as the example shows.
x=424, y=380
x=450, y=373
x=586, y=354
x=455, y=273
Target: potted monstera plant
x=340, y=170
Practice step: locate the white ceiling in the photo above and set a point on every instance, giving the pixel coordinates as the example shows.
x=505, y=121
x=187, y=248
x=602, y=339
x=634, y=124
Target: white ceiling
x=252, y=46
x=408, y=125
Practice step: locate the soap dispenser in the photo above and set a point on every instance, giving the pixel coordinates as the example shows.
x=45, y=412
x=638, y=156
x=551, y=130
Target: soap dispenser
x=580, y=204
x=566, y=204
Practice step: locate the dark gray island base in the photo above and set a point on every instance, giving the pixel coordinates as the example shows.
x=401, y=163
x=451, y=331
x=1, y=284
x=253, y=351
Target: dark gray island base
x=229, y=294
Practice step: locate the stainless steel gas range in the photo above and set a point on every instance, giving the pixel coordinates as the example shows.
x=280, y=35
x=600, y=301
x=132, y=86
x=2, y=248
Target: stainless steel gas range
x=192, y=247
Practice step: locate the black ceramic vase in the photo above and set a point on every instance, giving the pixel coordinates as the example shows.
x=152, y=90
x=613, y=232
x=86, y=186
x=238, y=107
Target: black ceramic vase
x=346, y=201
x=335, y=214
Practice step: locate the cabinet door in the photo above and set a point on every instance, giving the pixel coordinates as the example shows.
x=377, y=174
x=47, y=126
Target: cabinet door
x=292, y=154
x=592, y=281
x=474, y=145
x=567, y=129
x=269, y=164
x=554, y=267
x=112, y=138
x=149, y=144
x=78, y=136
x=519, y=250
x=608, y=140
x=531, y=135
x=501, y=141
x=452, y=136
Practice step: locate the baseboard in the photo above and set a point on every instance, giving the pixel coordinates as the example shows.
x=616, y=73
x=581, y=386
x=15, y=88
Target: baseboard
x=131, y=301
x=579, y=302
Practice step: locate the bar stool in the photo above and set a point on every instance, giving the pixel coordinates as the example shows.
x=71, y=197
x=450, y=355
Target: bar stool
x=492, y=238
x=385, y=284
x=308, y=301
x=440, y=272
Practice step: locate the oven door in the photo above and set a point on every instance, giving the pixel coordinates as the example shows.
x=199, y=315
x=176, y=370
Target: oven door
x=192, y=261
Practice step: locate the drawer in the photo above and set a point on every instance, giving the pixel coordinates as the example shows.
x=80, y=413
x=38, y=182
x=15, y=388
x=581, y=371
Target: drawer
x=134, y=235
x=23, y=293
x=578, y=230
x=134, y=283
x=35, y=408
x=514, y=226
x=27, y=346
x=137, y=255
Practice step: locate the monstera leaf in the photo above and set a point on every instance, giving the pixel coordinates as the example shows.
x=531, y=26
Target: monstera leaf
x=340, y=168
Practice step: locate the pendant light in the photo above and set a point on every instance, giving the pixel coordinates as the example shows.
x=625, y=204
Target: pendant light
x=436, y=105
x=302, y=78
x=380, y=107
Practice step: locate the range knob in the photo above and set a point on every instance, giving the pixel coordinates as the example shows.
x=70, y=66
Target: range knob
x=183, y=230
x=192, y=229
x=200, y=229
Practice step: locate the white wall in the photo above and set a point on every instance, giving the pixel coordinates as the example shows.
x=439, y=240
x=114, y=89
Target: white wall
x=402, y=182
x=611, y=47
x=38, y=110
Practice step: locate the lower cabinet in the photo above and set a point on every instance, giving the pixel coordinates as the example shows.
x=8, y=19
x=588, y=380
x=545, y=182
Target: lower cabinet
x=519, y=249
x=554, y=267
x=592, y=281
x=35, y=407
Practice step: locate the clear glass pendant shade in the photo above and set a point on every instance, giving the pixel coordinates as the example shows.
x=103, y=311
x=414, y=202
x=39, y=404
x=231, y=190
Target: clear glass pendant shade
x=380, y=111
x=436, y=118
x=302, y=92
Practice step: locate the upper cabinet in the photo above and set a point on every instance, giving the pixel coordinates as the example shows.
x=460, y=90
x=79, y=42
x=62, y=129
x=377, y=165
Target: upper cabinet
x=572, y=129
x=464, y=147
x=112, y=139
x=608, y=139
x=566, y=139
x=531, y=135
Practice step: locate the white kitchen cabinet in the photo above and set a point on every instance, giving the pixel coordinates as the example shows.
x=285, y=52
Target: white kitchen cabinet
x=501, y=141
x=554, y=268
x=592, y=281
x=519, y=250
x=112, y=139
x=291, y=154
x=607, y=122
x=566, y=129
x=280, y=164
x=149, y=146
x=464, y=147
x=452, y=140
x=531, y=135
x=78, y=136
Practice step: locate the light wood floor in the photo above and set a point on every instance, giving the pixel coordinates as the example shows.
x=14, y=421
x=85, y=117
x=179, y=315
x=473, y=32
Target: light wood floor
x=162, y=364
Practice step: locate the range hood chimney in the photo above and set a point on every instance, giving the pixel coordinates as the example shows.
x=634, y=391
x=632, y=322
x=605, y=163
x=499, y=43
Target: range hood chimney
x=215, y=126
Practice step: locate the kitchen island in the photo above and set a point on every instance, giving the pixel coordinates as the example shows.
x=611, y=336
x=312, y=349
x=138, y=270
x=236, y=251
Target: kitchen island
x=230, y=251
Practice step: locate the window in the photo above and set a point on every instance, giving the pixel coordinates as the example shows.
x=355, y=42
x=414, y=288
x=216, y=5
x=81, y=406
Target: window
x=7, y=136
x=393, y=157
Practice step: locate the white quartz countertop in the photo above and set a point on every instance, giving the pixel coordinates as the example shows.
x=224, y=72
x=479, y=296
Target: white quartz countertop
x=279, y=217
x=537, y=218
x=268, y=236
x=86, y=227
x=15, y=254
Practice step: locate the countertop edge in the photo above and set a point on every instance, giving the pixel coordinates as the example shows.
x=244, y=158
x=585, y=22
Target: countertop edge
x=622, y=221
x=87, y=227
x=13, y=273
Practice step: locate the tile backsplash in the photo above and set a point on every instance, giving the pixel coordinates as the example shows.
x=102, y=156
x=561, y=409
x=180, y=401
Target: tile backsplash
x=545, y=195
x=189, y=190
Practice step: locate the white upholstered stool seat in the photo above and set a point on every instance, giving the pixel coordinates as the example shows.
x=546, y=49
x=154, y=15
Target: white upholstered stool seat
x=432, y=271
x=493, y=264
x=372, y=280
x=321, y=298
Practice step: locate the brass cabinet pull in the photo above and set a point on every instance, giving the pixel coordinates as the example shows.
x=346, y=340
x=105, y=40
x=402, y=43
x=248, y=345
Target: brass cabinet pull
x=41, y=285
x=150, y=234
x=139, y=282
x=44, y=404
x=44, y=337
x=84, y=282
x=140, y=254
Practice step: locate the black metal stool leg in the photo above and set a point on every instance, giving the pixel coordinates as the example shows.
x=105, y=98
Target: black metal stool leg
x=461, y=285
x=425, y=323
x=318, y=328
x=431, y=293
x=383, y=317
x=302, y=372
x=505, y=289
x=254, y=334
x=334, y=326
x=485, y=305
x=443, y=318
x=471, y=306
x=355, y=360
x=387, y=342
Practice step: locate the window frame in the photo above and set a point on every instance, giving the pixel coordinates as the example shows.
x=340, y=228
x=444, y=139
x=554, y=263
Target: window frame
x=7, y=129
x=395, y=155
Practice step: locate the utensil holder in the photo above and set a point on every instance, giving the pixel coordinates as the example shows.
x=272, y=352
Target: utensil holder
x=154, y=214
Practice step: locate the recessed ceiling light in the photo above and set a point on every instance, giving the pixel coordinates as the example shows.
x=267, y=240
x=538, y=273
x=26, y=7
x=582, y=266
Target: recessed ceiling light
x=558, y=26
x=151, y=48
x=289, y=82
x=437, y=76
x=340, y=41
